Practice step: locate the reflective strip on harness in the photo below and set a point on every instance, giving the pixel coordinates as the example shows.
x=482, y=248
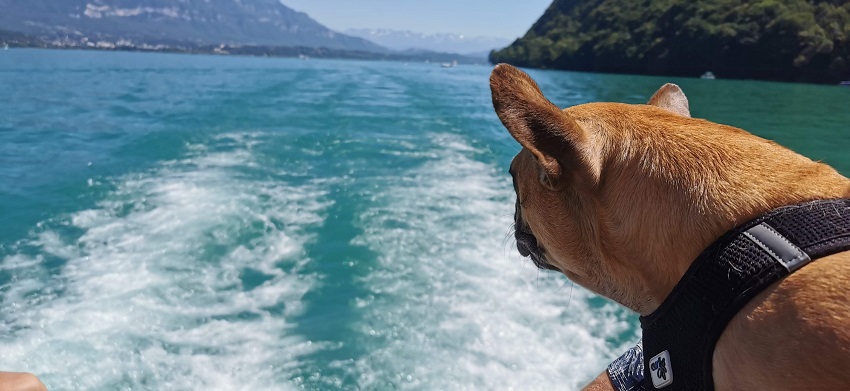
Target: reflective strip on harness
x=780, y=248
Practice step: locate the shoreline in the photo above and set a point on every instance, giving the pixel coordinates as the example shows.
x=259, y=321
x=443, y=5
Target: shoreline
x=20, y=41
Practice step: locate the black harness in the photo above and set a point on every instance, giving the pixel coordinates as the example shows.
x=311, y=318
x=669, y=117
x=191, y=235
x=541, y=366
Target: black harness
x=679, y=337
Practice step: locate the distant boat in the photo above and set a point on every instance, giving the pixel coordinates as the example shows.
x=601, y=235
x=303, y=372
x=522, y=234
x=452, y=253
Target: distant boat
x=5, y=46
x=707, y=76
x=303, y=57
x=845, y=83
x=449, y=65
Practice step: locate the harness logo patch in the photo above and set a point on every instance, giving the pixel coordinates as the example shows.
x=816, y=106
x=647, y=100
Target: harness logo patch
x=660, y=370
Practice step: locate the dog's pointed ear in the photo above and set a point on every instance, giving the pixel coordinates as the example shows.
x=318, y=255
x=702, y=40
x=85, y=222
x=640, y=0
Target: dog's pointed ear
x=552, y=136
x=671, y=98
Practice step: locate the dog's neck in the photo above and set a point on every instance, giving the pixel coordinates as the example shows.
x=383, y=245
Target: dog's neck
x=683, y=209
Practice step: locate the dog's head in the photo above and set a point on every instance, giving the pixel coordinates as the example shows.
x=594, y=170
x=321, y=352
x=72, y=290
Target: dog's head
x=621, y=198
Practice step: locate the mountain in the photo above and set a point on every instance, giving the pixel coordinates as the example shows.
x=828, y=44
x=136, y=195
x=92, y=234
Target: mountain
x=196, y=22
x=791, y=40
x=452, y=43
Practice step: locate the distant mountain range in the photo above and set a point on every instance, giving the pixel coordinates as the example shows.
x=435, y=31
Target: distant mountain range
x=453, y=43
x=197, y=22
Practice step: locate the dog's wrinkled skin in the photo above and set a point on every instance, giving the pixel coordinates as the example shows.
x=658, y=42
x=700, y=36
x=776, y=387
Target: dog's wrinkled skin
x=622, y=198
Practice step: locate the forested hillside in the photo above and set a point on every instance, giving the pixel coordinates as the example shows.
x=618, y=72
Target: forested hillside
x=791, y=40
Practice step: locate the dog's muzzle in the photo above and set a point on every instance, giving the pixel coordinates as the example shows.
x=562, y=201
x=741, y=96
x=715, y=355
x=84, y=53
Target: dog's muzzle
x=526, y=242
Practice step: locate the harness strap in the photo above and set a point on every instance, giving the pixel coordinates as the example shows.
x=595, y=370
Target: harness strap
x=681, y=334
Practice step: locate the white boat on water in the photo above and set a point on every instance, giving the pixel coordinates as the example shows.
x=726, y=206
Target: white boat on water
x=845, y=83
x=707, y=76
x=449, y=65
x=5, y=46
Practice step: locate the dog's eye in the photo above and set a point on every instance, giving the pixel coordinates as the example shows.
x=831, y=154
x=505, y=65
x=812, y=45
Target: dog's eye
x=544, y=179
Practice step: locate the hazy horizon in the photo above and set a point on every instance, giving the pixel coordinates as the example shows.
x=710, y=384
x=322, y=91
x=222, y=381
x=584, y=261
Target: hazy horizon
x=475, y=18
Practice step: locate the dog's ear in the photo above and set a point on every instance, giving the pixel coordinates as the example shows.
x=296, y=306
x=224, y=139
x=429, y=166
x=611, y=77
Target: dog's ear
x=671, y=98
x=551, y=135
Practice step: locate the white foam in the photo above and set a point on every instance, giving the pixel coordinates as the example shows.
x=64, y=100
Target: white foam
x=150, y=294
x=450, y=309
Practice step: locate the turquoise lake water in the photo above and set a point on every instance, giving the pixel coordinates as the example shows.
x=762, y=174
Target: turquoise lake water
x=175, y=222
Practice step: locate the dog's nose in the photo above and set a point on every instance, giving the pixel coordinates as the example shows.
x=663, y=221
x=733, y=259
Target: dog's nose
x=526, y=243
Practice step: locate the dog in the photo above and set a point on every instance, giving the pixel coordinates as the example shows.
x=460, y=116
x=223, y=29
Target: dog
x=622, y=198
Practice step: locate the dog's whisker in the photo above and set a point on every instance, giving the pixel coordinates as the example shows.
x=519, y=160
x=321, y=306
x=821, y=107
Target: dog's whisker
x=562, y=286
x=537, y=280
x=508, y=236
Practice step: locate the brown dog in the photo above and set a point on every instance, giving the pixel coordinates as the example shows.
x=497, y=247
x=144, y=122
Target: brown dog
x=622, y=198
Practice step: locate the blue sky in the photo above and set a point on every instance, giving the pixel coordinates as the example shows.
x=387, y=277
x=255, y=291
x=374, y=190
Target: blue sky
x=492, y=18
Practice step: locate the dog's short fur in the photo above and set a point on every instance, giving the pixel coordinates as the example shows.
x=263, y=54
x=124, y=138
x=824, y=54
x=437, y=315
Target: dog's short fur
x=622, y=198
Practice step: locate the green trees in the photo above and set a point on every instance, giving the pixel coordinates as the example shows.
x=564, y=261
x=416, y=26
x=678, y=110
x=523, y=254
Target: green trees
x=792, y=40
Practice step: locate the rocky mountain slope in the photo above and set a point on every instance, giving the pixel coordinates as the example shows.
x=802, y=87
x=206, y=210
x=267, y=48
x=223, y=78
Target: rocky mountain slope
x=198, y=22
